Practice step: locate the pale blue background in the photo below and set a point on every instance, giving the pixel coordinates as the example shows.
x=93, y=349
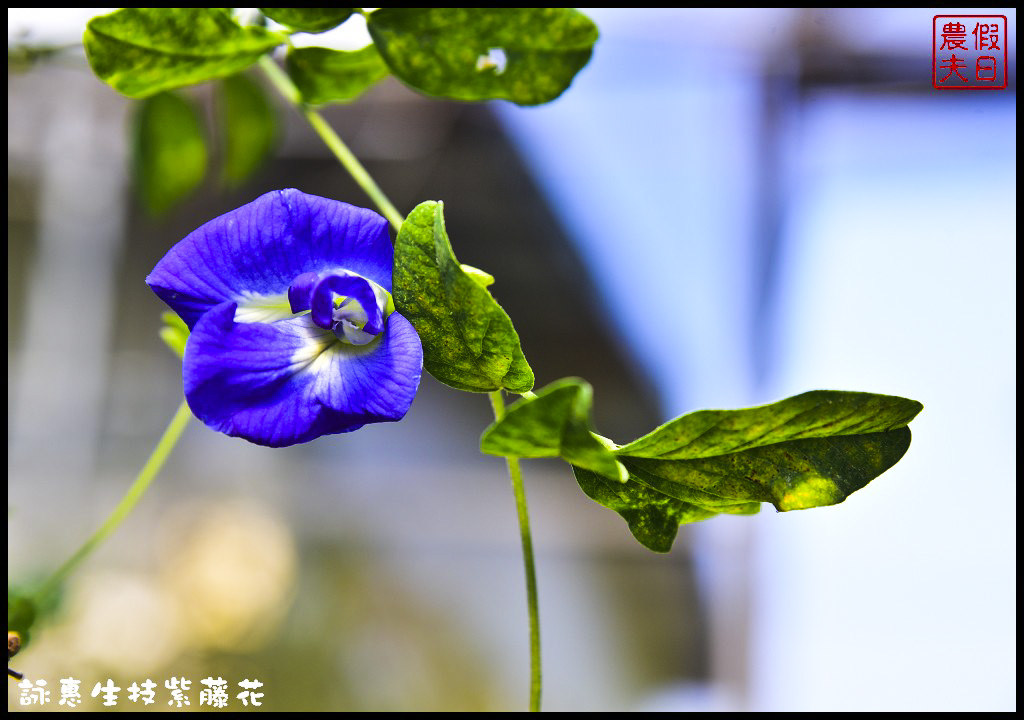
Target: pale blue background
x=896, y=273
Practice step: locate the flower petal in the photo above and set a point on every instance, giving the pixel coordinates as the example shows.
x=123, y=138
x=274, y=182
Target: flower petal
x=290, y=381
x=322, y=303
x=260, y=248
x=378, y=380
x=301, y=290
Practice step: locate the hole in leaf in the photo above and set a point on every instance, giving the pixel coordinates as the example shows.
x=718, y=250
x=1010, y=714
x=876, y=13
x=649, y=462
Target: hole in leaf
x=495, y=58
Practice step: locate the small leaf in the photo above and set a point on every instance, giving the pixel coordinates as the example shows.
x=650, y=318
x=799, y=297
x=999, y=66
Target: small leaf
x=170, y=151
x=249, y=127
x=554, y=423
x=21, y=614
x=310, y=20
x=142, y=51
x=526, y=55
x=806, y=451
x=469, y=342
x=324, y=75
x=174, y=333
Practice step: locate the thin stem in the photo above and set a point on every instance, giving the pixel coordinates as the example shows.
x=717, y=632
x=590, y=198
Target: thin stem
x=516, y=476
x=142, y=482
x=289, y=92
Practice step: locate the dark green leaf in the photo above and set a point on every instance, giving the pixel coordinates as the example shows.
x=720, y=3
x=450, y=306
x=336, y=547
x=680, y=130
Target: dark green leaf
x=806, y=451
x=325, y=76
x=469, y=342
x=792, y=475
x=653, y=517
x=815, y=414
x=174, y=333
x=249, y=127
x=554, y=423
x=526, y=55
x=142, y=51
x=21, y=613
x=311, y=20
x=170, y=151
x=22, y=55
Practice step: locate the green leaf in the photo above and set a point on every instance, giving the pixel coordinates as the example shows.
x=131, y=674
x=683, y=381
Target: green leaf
x=249, y=127
x=469, y=342
x=653, y=517
x=554, y=423
x=21, y=613
x=143, y=51
x=792, y=475
x=324, y=75
x=170, y=151
x=526, y=55
x=810, y=450
x=815, y=414
x=310, y=20
x=174, y=333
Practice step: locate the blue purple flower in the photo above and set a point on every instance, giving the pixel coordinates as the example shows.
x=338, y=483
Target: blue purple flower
x=294, y=333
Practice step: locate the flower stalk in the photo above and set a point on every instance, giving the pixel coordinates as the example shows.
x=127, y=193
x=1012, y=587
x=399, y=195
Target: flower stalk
x=516, y=476
x=131, y=498
x=284, y=85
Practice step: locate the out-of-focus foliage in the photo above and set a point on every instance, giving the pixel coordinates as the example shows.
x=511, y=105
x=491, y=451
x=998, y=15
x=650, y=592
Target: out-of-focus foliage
x=170, y=151
x=21, y=614
x=249, y=128
x=174, y=332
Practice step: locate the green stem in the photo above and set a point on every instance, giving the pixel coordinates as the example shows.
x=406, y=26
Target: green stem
x=284, y=85
x=516, y=476
x=142, y=482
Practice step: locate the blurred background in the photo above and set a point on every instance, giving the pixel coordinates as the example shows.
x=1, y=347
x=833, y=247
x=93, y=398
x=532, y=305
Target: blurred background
x=796, y=206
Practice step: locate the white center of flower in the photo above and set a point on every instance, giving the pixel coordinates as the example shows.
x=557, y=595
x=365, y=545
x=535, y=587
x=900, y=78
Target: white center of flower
x=350, y=317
